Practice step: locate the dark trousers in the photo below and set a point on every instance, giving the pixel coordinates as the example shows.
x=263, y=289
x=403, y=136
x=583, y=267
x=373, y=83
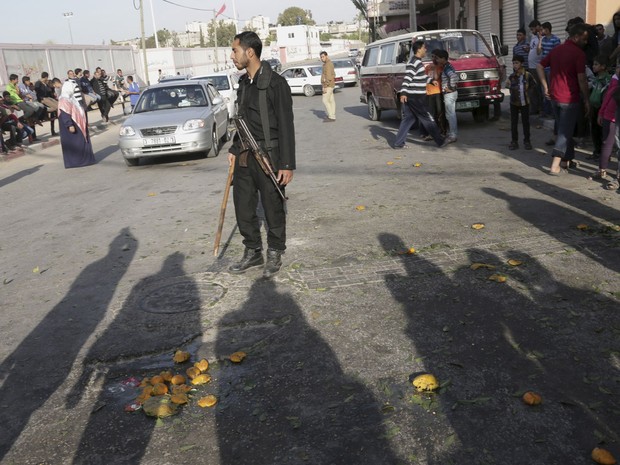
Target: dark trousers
x=525, y=120
x=535, y=93
x=596, y=131
x=436, y=106
x=414, y=110
x=247, y=184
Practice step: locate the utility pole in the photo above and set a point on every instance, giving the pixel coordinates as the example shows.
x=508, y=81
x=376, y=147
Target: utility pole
x=154, y=27
x=413, y=20
x=143, y=42
x=217, y=67
x=69, y=15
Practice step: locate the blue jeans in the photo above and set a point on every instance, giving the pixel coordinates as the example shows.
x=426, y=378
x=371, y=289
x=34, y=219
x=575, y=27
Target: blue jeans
x=566, y=115
x=414, y=110
x=449, y=101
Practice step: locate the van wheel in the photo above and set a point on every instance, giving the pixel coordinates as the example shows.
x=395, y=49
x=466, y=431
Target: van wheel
x=481, y=114
x=309, y=90
x=373, y=112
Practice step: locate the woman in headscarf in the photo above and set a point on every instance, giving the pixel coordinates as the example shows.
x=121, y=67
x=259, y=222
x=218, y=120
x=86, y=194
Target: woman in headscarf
x=77, y=149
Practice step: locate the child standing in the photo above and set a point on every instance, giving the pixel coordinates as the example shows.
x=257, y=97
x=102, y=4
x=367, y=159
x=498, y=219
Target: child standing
x=520, y=82
x=598, y=86
x=607, y=119
x=133, y=90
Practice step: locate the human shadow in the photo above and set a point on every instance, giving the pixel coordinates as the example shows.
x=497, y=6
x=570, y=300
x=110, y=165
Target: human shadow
x=139, y=328
x=19, y=175
x=43, y=360
x=556, y=220
x=290, y=401
x=493, y=341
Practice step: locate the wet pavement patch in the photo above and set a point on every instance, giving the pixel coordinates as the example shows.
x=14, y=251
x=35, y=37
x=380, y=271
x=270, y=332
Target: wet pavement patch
x=181, y=297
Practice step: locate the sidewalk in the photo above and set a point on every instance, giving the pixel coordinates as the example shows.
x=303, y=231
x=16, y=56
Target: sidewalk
x=45, y=139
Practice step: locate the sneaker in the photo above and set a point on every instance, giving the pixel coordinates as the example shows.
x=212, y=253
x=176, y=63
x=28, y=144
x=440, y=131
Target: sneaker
x=513, y=145
x=527, y=145
x=550, y=142
x=251, y=258
x=427, y=138
x=274, y=262
x=396, y=147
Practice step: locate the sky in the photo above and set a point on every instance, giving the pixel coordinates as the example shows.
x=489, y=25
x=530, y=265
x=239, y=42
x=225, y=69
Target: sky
x=95, y=23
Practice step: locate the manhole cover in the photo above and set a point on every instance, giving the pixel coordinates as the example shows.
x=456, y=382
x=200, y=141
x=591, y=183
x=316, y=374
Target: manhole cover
x=181, y=297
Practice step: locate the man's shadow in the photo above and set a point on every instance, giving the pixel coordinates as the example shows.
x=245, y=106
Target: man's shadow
x=290, y=401
x=492, y=342
x=134, y=332
x=42, y=361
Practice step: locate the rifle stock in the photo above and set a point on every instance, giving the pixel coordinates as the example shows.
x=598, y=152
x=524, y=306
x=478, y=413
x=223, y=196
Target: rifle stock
x=220, y=224
x=260, y=155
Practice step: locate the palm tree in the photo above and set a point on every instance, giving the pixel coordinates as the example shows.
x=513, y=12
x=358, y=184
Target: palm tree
x=362, y=7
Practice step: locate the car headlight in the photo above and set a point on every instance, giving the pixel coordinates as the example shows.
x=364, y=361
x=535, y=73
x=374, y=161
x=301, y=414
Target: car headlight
x=127, y=131
x=193, y=124
x=491, y=74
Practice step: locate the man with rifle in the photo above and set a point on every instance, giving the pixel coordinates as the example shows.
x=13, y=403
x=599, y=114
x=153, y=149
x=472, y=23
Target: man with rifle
x=266, y=107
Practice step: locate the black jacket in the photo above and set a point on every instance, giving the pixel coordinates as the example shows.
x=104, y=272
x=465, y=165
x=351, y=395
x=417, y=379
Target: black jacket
x=280, y=110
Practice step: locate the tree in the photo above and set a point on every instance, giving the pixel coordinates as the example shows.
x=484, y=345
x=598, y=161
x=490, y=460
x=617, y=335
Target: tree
x=362, y=7
x=225, y=34
x=294, y=15
x=325, y=37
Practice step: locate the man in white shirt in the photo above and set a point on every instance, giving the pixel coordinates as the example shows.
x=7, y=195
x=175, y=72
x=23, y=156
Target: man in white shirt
x=533, y=58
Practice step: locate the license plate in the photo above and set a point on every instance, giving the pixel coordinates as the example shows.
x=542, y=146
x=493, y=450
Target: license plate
x=158, y=140
x=468, y=104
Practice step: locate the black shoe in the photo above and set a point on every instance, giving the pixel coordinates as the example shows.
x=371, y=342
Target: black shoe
x=513, y=145
x=528, y=145
x=274, y=262
x=550, y=142
x=251, y=258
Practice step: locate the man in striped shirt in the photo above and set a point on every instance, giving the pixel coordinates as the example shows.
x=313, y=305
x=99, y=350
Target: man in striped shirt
x=413, y=99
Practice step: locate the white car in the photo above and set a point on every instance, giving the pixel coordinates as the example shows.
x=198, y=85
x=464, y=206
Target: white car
x=346, y=69
x=306, y=79
x=226, y=83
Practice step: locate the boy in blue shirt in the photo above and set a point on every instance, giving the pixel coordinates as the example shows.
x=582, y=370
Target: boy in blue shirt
x=133, y=90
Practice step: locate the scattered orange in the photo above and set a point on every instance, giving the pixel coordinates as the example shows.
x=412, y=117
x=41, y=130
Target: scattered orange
x=201, y=379
x=603, y=456
x=207, y=401
x=202, y=365
x=179, y=398
x=177, y=379
x=157, y=379
x=192, y=372
x=180, y=356
x=237, y=357
x=532, y=398
x=160, y=389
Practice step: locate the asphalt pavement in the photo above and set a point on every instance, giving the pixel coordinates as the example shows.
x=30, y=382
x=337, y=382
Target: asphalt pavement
x=108, y=270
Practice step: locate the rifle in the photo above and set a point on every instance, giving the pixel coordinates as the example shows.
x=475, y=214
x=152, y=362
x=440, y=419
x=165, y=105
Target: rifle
x=220, y=224
x=262, y=157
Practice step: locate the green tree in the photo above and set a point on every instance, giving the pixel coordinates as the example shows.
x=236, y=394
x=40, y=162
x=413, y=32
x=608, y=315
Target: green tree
x=362, y=7
x=164, y=37
x=325, y=37
x=295, y=15
x=225, y=34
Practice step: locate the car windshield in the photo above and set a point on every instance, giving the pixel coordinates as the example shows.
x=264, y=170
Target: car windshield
x=343, y=64
x=164, y=98
x=315, y=70
x=219, y=82
x=459, y=44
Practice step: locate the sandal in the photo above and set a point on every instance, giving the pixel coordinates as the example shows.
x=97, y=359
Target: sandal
x=613, y=185
x=602, y=175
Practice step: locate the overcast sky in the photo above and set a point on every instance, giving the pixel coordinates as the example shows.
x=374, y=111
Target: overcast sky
x=95, y=22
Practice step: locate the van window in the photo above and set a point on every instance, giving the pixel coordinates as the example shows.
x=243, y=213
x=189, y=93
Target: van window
x=404, y=48
x=372, y=54
x=457, y=43
x=387, y=53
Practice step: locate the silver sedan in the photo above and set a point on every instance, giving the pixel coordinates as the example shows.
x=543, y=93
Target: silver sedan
x=175, y=118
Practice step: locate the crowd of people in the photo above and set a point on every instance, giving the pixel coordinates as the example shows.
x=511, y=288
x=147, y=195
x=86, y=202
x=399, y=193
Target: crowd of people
x=26, y=105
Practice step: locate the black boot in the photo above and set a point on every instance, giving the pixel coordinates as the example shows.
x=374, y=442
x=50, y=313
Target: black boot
x=251, y=257
x=274, y=262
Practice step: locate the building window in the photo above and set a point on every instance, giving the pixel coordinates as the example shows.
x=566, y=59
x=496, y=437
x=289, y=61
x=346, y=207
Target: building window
x=291, y=35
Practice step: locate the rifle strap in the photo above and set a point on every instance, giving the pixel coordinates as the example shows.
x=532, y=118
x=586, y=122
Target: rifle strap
x=262, y=82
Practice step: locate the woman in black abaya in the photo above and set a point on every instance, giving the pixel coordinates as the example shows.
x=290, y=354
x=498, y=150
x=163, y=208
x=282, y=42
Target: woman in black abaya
x=77, y=149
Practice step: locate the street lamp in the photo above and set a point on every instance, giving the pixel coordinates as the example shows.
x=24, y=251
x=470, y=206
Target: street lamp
x=69, y=15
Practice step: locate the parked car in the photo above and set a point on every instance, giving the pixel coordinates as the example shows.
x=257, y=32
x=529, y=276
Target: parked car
x=385, y=61
x=174, y=77
x=275, y=64
x=174, y=118
x=306, y=79
x=226, y=83
x=346, y=69
x=353, y=52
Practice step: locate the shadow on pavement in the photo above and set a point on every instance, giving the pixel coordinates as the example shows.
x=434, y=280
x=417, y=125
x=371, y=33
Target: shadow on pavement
x=133, y=332
x=290, y=401
x=17, y=176
x=489, y=342
x=43, y=360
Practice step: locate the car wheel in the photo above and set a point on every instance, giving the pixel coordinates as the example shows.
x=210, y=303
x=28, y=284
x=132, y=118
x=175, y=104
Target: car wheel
x=215, y=143
x=132, y=161
x=309, y=90
x=481, y=114
x=373, y=112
